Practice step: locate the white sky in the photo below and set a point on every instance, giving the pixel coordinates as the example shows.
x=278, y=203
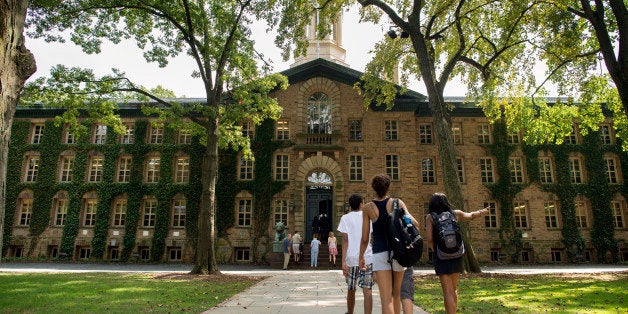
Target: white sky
x=358, y=40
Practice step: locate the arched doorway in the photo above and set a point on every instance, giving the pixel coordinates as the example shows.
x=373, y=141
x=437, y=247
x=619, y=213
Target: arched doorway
x=318, y=200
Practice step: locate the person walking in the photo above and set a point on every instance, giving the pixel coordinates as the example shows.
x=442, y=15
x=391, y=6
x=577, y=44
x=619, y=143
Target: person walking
x=314, y=248
x=296, y=246
x=350, y=227
x=448, y=270
x=287, y=248
x=333, y=248
x=388, y=272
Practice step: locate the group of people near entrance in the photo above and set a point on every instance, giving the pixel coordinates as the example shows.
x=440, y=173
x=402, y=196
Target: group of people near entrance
x=366, y=256
x=293, y=245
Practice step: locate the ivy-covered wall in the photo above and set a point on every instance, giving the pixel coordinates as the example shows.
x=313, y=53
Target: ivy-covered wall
x=47, y=185
x=596, y=189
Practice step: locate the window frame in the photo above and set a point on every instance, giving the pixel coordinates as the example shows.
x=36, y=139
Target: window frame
x=355, y=130
x=356, y=167
x=244, y=212
x=391, y=130
x=426, y=134
x=392, y=166
x=182, y=170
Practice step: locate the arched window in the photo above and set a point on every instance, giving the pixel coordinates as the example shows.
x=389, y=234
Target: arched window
x=24, y=208
x=319, y=114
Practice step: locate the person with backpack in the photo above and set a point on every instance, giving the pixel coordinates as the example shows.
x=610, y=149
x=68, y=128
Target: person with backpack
x=445, y=240
x=387, y=270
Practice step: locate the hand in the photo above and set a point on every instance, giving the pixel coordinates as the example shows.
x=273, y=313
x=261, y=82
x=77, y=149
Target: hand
x=345, y=269
x=362, y=264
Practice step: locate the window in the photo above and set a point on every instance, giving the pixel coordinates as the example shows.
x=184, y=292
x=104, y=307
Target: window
x=486, y=170
x=242, y=254
x=174, y=254
x=456, y=133
x=557, y=255
x=61, y=210
x=119, y=213
x=245, y=210
x=25, y=211
x=246, y=169
x=95, y=169
x=65, y=173
x=248, y=129
x=545, y=170
x=390, y=128
x=513, y=138
x=153, y=165
x=149, y=209
x=144, y=252
x=575, y=170
x=283, y=131
x=572, y=138
x=179, y=212
x=606, y=134
x=68, y=137
x=124, y=169
x=392, y=167
x=618, y=217
x=100, y=134
x=581, y=215
x=32, y=168
x=355, y=168
x=494, y=255
x=611, y=170
x=355, y=130
x=129, y=134
x=184, y=137
x=282, y=165
x=516, y=169
x=38, y=133
x=425, y=134
x=484, y=134
x=319, y=114
x=551, y=219
x=427, y=170
x=490, y=220
x=156, y=134
x=114, y=254
x=521, y=215
x=84, y=252
x=182, y=171
x=460, y=169
x=89, y=212
x=281, y=212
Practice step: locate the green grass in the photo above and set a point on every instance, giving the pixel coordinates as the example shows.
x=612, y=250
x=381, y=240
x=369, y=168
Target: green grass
x=500, y=293
x=115, y=292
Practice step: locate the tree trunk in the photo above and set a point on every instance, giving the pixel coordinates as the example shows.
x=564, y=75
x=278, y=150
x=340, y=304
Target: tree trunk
x=205, y=257
x=447, y=154
x=17, y=65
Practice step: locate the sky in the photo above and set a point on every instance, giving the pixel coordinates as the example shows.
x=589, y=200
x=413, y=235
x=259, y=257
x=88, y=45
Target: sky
x=357, y=39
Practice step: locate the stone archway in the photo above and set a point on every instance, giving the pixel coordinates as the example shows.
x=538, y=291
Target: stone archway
x=323, y=164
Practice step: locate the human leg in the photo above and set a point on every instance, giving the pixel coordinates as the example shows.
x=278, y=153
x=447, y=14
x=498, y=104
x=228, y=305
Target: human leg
x=384, y=283
x=449, y=291
x=366, y=282
x=286, y=260
x=396, y=290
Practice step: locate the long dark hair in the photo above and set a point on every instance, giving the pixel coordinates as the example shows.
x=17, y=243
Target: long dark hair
x=439, y=203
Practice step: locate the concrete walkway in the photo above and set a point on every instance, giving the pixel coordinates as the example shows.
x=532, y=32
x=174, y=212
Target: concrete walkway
x=298, y=292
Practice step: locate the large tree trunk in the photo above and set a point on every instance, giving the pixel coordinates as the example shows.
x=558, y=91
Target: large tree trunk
x=17, y=65
x=205, y=257
x=447, y=154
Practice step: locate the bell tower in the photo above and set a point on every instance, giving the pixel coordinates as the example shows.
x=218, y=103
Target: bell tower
x=329, y=48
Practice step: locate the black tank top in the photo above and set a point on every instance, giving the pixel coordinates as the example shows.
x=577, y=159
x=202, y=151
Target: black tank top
x=380, y=244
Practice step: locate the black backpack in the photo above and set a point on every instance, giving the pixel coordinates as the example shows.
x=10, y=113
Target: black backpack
x=447, y=236
x=404, y=239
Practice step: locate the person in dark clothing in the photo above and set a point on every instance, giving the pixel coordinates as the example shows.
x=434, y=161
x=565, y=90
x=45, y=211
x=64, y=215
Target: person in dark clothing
x=315, y=226
x=323, y=228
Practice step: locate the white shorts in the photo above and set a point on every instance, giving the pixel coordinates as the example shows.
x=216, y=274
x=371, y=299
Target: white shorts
x=296, y=248
x=381, y=261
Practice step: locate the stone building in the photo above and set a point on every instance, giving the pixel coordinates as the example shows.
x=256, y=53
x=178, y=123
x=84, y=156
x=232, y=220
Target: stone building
x=136, y=196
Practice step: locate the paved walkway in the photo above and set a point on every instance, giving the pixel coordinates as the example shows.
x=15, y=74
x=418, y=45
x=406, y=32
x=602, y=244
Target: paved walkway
x=298, y=292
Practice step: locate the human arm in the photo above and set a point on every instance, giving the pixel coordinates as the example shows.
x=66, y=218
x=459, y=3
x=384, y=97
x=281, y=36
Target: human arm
x=366, y=232
x=429, y=225
x=464, y=216
x=403, y=206
x=345, y=246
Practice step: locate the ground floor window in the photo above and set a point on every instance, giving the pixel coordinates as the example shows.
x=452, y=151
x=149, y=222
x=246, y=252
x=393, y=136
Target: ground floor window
x=174, y=254
x=53, y=251
x=557, y=255
x=494, y=255
x=84, y=252
x=526, y=256
x=144, y=253
x=242, y=254
x=17, y=251
x=114, y=253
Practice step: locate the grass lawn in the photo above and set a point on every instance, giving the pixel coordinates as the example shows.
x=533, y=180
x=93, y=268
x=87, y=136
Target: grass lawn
x=115, y=292
x=554, y=293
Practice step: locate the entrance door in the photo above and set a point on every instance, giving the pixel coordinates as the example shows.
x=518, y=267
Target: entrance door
x=318, y=201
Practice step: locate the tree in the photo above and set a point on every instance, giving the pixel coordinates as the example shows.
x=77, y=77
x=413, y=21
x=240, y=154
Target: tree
x=16, y=66
x=473, y=39
x=215, y=34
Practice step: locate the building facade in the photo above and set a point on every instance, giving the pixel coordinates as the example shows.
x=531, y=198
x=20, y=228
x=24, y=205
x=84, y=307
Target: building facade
x=136, y=196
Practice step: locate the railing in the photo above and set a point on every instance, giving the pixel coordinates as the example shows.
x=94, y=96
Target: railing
x=318, y=139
